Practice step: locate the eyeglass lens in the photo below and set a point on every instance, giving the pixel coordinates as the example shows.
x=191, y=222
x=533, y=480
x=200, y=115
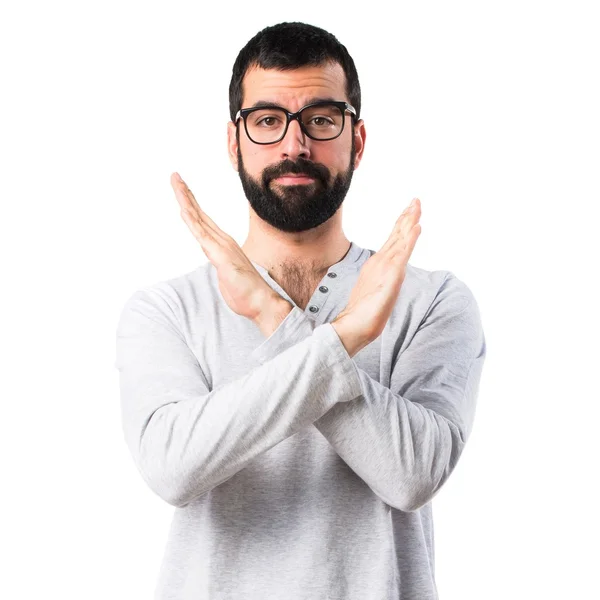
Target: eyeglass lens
x=322, y=122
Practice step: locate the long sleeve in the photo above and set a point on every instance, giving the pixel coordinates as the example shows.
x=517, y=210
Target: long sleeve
x=186, y=439
x=405, y=441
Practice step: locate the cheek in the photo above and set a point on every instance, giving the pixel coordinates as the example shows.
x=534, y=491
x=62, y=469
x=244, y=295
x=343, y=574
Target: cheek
x=334, y=156
x=336, y=161
x=255, y=165
x=254, y=161
x=257, y=159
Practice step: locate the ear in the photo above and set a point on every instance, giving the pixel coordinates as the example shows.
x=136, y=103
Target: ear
x=360, y=137
x=232, y=145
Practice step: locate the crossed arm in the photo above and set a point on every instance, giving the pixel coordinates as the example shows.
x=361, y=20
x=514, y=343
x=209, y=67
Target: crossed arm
x=403, y=441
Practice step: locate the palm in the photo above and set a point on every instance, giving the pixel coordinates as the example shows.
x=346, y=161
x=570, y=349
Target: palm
x=375, y=293
x=242, y=287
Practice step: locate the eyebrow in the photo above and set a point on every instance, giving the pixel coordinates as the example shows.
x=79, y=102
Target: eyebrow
x=260, y=103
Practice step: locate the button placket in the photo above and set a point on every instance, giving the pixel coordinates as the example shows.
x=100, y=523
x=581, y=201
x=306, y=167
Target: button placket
x=323, y=289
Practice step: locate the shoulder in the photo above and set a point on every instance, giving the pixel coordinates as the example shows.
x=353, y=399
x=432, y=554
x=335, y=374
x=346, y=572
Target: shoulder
x=441, y=285
x=173, y=299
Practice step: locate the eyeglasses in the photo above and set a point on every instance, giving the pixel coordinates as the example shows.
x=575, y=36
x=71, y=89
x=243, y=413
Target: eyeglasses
x=321, y=121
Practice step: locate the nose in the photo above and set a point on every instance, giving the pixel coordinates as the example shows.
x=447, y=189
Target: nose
x=295, y=143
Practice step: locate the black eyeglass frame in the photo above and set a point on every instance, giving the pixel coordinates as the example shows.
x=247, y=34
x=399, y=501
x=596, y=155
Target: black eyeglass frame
x=343, y=106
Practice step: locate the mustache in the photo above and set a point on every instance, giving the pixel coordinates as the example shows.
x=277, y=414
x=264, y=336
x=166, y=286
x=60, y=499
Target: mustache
x=301, y=167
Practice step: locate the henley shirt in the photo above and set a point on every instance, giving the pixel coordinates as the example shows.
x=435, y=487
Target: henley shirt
x=296, y=471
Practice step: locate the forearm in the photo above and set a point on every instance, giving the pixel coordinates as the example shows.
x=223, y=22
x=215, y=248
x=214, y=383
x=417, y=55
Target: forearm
x=405, y=438
x=402, y=450
x=186, y=438
x=373, y=433
x=276, y=309
x=352, y=341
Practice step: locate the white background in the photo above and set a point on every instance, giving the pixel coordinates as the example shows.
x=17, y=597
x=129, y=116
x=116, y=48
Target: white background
x=488, y=112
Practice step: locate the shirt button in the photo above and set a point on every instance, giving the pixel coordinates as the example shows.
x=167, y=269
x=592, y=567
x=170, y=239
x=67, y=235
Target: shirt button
x=324, y=289
x=332, y=275
x=313, y=309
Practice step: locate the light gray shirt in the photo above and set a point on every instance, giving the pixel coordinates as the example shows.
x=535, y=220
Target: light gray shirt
x=296, y=471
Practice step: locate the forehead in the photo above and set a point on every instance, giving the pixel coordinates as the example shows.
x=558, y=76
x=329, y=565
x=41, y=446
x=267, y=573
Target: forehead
x=293, y=89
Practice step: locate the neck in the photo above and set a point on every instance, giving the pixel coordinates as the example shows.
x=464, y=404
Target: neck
x=311, y=251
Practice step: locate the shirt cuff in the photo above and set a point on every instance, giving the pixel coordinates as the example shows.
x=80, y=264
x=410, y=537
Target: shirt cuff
x=293, y=329
x=329, y=335
x=296, y=327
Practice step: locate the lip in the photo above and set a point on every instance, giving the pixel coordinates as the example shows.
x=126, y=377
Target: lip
x=294, y=179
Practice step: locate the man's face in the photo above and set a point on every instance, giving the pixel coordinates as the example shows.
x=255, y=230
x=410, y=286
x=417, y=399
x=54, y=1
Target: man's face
x=287, y=205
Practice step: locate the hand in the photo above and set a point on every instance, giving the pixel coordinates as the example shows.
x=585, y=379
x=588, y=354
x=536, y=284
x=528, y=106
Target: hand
x=241, y=285
x=376, y=290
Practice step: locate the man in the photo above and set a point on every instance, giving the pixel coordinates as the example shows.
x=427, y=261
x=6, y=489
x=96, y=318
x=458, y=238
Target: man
x=299, y=399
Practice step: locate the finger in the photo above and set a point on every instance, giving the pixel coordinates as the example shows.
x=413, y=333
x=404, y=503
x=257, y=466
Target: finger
x=191, y=204
x=412, y=216
x=403, y=238
x=205, y=236
x=407, y=218
x=200, y=232
x=199, y=227
x=403, y=248
x=186, y=200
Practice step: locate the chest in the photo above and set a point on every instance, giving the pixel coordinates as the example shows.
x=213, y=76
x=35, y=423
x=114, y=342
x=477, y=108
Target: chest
x=298, y=281
x=300, y=290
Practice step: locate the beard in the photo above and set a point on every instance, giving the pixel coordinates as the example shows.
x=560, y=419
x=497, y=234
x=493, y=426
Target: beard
x=296, y=208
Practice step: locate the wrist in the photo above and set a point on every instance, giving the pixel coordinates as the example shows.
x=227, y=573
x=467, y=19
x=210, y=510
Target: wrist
x=353, y=342
x=275, y=310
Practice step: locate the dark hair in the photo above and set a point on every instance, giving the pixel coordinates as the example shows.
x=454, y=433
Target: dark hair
x=288, y=46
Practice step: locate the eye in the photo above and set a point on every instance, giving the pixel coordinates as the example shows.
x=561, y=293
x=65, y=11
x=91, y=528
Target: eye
x=267, y=121
x=321, y=121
